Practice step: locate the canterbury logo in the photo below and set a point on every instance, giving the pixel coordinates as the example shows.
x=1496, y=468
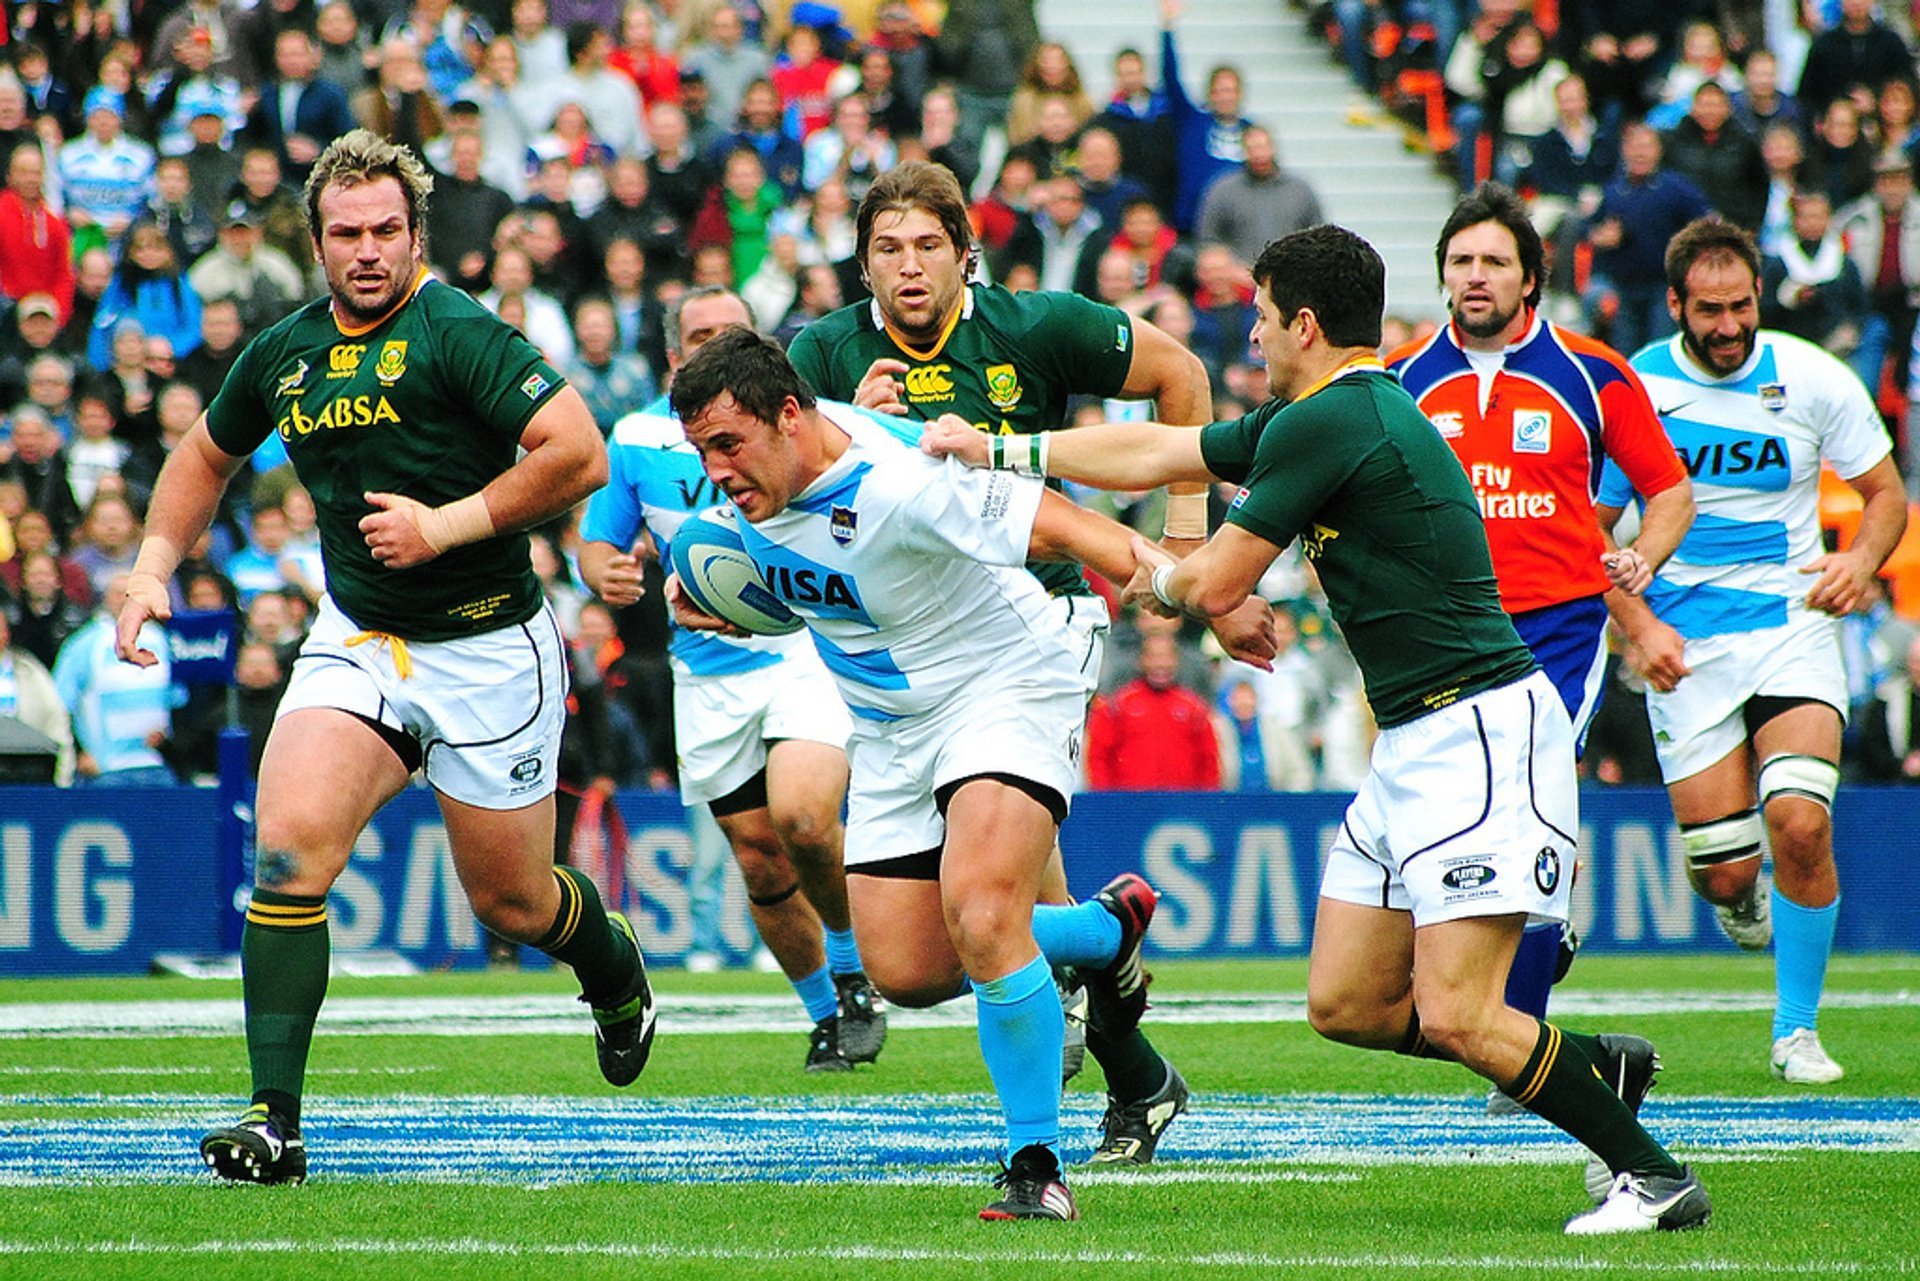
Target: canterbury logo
x=930, y=382
x=343, y=359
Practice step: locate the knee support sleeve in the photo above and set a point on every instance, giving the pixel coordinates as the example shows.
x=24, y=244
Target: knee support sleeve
x=1724, y=840
x=1808, y=777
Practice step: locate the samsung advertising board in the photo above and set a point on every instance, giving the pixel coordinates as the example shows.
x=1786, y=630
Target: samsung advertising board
x=102, y=881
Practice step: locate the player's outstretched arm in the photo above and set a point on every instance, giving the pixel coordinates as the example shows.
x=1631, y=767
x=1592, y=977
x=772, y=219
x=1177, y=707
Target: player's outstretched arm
x=1106, y=456
x=184, y=499
x=1063, y=530
x=1844, y=576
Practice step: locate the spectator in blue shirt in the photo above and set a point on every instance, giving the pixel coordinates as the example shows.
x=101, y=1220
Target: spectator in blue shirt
x=1207, y=140
x=1639, y=213
x=147, y=286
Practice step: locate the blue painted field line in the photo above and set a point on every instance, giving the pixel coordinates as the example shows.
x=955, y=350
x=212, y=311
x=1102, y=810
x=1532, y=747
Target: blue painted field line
x=539, y=1140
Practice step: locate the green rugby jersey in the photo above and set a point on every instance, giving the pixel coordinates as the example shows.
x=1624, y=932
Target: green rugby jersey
x=428, y=402
x=1007, y=364
x=1382, y=508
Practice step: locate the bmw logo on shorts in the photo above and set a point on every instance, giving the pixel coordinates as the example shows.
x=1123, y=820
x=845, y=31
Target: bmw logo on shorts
x=1546, y=869
x=525, y=771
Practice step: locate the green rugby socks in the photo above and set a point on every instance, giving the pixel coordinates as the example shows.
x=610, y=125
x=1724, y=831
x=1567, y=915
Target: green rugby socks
x=1562, y=1083
x=283, y=965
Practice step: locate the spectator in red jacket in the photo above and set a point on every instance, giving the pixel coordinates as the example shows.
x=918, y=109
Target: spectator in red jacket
x=1154, y=733
x=36, y=245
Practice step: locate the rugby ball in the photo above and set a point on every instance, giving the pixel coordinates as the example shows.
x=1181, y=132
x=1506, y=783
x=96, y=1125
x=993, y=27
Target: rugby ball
x=721, y=579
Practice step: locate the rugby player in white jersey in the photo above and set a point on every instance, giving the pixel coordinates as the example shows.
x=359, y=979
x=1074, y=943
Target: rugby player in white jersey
x=1747, y=691
x=967, y=700
x=760, y=730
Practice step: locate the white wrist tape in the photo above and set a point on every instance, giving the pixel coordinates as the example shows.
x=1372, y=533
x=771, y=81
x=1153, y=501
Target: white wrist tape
x=1162, y=580
x=454, y=524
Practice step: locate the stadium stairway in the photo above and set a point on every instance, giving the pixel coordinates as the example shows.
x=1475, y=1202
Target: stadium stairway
x=1367, y=175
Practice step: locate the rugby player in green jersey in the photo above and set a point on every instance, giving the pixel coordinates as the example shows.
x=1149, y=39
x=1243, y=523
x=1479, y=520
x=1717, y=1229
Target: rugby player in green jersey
x=1464, y=829
x=930, y=343
x=403, y=405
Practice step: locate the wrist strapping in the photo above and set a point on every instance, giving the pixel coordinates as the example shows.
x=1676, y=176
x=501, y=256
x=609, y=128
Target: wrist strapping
x=158, y=557
x=1186, y=517
x=1023, y=455
x=1162, y=580
x=455, y=524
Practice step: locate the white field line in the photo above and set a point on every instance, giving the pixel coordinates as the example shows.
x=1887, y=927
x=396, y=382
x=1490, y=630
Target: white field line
x=554, y=1014
x=1236, y=1261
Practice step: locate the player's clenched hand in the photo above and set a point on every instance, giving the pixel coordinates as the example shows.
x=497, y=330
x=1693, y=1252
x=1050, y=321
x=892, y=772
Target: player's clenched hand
x=1844, y=585
x=1247, y=633
x=620, y=581
x=880, y=387
x=392, y=531
x=951, y=436
x=1657, y=654
x=146, y=598
x=1628, y=570
x=690, y=616
x=1139, y=588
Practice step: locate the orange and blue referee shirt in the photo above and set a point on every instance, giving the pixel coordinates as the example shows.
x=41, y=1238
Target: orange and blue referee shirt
x=1533, y=426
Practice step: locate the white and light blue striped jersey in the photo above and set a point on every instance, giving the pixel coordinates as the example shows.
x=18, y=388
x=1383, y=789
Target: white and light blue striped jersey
x=107, y=182
x=655, y=482
x=1753, y=442
x=911, y=574
x=115, y=706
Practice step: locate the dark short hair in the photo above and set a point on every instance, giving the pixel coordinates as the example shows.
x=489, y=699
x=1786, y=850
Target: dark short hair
x=1495, y=202
x=917, y=184
x=753, y=368
x=1709, y=239
x=1333, y=273
x=579, y=36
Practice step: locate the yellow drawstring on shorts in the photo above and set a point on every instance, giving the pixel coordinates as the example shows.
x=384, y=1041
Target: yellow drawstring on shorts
x=402, y=662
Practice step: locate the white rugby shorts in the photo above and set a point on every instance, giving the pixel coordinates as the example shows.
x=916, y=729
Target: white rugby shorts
x=722, y=724
x=1085, y=620
x=1469, y=811
x=487, y=710
x=1031, y=729
x=1699, y=721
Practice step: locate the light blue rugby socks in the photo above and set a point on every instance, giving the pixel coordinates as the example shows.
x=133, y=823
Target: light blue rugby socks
x=818, y=994
x=843, y=954
x=1022, y=1030
x=1076, y=934
x=1802, y=941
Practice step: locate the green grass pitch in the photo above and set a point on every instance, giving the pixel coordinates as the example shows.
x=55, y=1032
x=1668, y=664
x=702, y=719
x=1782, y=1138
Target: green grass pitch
x=1403, y=1178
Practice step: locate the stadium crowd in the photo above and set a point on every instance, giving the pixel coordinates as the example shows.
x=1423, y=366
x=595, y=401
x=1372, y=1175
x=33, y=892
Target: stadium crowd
x=593, y=160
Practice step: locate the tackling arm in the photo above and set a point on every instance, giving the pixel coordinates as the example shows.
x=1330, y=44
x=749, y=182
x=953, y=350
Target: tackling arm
x=1106, y=456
